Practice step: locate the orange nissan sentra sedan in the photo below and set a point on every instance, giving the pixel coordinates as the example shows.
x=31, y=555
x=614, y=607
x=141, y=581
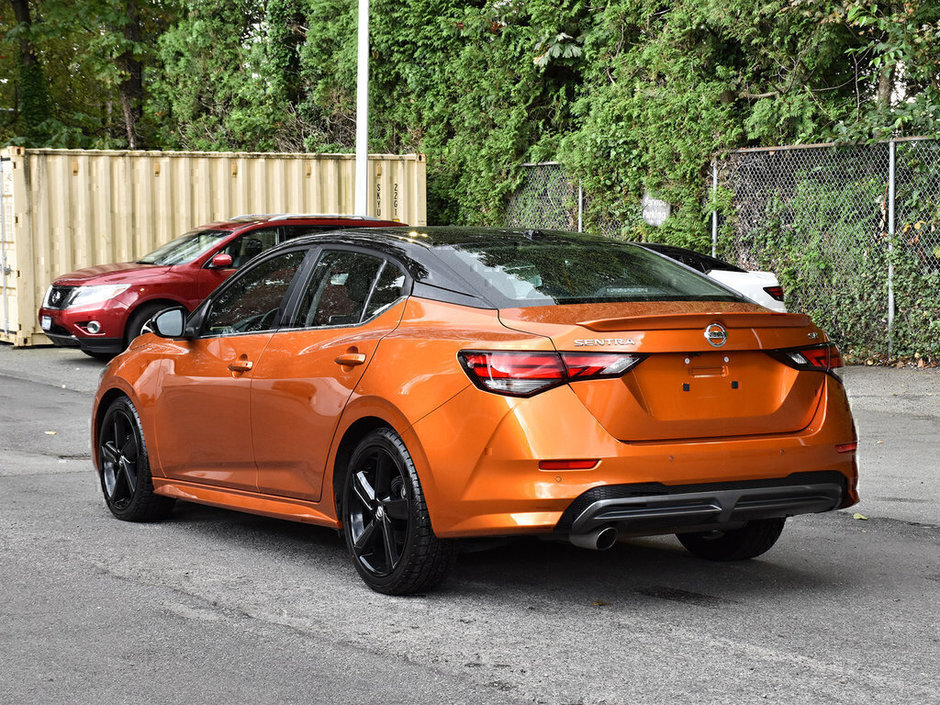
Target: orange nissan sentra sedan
x=416, y=387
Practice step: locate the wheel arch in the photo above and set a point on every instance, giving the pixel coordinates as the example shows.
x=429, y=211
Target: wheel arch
x=353, y=435
x=101, y=406
x=162, y=301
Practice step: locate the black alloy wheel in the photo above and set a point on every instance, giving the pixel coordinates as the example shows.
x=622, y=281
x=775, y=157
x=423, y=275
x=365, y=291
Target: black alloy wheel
x=386, y=522
x=124, y=466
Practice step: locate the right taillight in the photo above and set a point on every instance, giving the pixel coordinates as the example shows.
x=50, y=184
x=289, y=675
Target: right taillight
x=825, y=357
x=775, y=292
x=521, y=374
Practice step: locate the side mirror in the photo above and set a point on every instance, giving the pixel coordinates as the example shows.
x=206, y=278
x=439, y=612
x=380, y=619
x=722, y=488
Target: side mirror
x=221, y=261
x=169, y=323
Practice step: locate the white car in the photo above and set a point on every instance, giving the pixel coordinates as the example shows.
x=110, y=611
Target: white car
x=760, y=287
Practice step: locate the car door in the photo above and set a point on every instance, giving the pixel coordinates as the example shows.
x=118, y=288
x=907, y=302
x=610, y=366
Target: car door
x=309, y=370
x=203, y=409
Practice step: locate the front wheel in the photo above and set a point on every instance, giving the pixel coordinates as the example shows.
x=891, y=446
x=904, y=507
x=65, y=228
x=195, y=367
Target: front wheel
x=124, y=467
x=140, y=318
x=385, y=519
x=752, y=539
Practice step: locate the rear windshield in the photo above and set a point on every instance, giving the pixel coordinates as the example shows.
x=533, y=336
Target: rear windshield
x=576, y=271
x=185, y=248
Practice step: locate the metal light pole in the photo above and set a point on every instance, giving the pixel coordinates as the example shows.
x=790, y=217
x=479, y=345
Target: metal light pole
x=362, y=112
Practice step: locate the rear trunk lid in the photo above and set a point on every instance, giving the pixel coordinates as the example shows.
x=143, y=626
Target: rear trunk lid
x=687, y=387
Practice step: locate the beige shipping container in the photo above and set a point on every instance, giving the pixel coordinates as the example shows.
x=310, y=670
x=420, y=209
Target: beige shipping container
x=67, y=209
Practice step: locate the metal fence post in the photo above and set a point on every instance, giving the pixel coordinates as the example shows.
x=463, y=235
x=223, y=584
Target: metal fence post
x=891, y=185
x=580, y=208
x=714, y=207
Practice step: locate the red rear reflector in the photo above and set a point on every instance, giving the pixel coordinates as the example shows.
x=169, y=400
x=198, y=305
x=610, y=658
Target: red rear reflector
x=566, y=464
x=523, y=374
x=776, y=292
x=846, y=447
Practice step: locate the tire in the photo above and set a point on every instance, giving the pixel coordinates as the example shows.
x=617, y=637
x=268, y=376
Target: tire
x=124, y=467
x=385, y=519
x=752, y=539
x=103, y=357
x=139, y=319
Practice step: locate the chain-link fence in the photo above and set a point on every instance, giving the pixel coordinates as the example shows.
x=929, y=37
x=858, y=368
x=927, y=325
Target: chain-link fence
x=853, y=234
x=546, y=199
x=549, y=199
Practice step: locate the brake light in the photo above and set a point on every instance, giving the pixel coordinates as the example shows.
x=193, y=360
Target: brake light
x=522, y=374
x=825, y=357
x=776, y=292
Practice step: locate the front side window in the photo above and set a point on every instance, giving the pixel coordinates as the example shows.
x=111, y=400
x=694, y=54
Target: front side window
x=347, y=288
x=251, y=303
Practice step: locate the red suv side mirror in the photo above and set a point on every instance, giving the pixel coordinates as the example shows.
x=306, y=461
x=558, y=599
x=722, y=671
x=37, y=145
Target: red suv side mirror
x=221, y=261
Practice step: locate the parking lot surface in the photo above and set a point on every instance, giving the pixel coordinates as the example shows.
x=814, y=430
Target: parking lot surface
x=213, y=606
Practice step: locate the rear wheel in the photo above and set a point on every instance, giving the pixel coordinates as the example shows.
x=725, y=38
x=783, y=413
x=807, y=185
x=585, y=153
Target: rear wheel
x=752, y=539
x=124, y=467
x=385, y=519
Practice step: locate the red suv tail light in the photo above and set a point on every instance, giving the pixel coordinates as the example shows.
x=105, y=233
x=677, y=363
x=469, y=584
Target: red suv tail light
x=522, y=374
x=825, y=357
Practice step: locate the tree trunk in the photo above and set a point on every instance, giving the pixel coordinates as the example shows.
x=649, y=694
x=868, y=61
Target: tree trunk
x=132, y=87
x=885, y=87
x=31, y=88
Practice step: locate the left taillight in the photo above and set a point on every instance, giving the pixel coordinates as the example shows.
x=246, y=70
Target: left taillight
x=523, y=374
x=825, y=357
x=775, y=292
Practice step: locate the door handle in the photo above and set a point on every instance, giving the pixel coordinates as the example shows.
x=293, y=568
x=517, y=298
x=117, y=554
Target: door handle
x=241, y=365
x=350, y=359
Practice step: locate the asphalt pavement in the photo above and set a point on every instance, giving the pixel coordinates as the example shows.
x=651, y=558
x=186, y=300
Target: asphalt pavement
x=213, y=606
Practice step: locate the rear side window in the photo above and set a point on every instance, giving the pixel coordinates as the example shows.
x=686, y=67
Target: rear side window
x=347, y=288
x=538, y=273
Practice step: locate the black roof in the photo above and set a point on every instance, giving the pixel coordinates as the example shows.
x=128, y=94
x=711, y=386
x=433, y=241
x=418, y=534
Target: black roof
x=431, y=255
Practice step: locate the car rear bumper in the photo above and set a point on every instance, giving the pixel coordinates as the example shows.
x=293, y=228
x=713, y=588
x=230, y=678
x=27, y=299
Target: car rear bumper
x=479, y=462
x=649, y=508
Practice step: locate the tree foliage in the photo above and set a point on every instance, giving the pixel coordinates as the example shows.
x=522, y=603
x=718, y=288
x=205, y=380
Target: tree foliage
x=632, y=96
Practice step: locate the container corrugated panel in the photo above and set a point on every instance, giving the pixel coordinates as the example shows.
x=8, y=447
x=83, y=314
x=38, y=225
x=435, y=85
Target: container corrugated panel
x=8, y=307
x=75, y=208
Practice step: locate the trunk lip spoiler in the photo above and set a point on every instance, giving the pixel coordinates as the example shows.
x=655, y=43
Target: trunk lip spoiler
x=694, y=321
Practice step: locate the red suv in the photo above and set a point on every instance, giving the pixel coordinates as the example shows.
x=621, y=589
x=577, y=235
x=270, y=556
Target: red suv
x=101, y=309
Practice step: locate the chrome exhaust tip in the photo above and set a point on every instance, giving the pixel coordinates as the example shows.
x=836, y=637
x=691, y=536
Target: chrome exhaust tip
x=598, y=540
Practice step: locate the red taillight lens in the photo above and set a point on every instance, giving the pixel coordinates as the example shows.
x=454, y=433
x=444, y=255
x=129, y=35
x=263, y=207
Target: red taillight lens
x=776, y=292
x=522, y=374
x=594, y=365
x=825, y=357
